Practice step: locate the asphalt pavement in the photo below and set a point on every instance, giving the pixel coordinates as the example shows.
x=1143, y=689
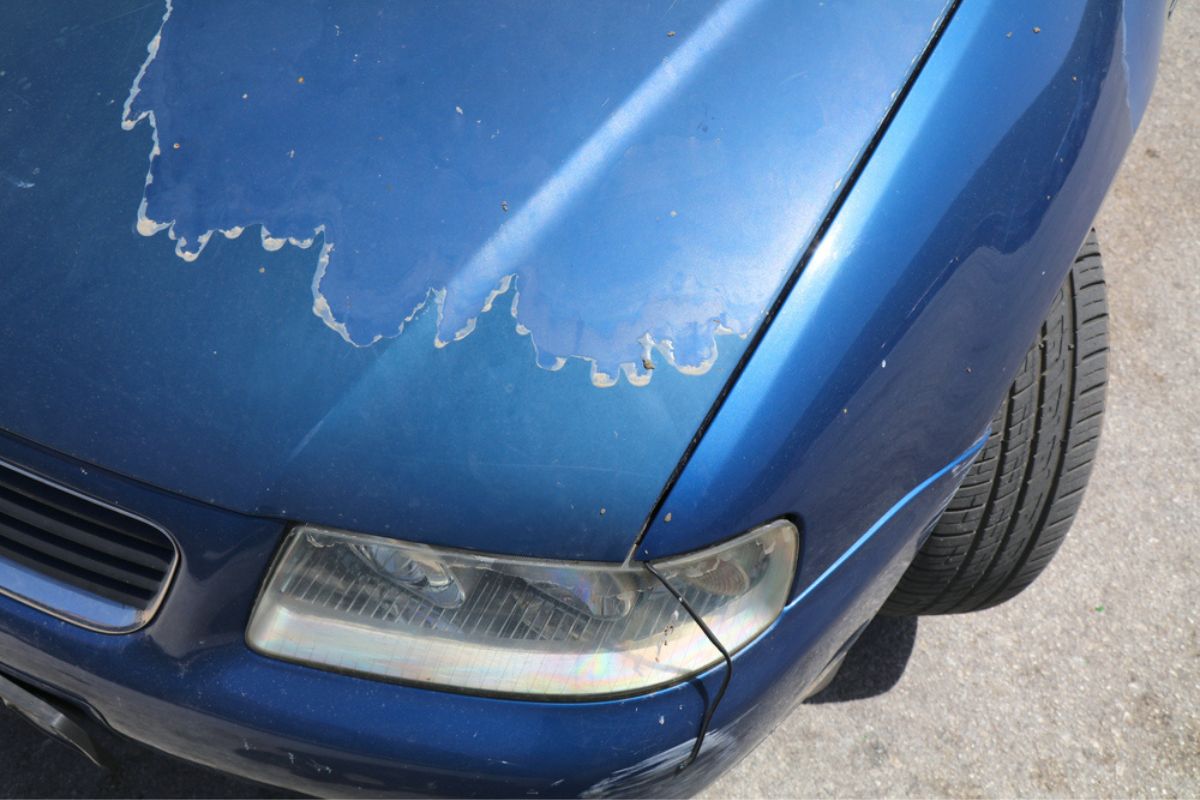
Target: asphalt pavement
x=1088, y=684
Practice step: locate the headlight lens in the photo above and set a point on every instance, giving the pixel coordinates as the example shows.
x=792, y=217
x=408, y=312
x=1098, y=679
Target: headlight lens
x=516, y=626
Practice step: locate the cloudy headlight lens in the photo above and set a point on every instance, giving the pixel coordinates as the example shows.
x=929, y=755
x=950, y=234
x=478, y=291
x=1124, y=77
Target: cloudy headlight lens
x=379, y=607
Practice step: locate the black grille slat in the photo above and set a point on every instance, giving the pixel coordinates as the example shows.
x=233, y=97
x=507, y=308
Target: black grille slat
x=99, y=585
x=82, y=508
x=82, y=543
x=86, y=535
x=96, y=562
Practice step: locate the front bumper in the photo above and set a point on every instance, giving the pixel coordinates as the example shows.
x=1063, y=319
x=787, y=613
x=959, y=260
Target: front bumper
x=188, y=684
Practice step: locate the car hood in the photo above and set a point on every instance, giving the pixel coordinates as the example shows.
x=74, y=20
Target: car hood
x=456, y=273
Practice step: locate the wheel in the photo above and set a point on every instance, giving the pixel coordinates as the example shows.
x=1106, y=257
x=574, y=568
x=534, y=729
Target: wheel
x=1018, y=500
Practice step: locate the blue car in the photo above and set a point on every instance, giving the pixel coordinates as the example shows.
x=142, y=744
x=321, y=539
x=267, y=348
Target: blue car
x=472, y=399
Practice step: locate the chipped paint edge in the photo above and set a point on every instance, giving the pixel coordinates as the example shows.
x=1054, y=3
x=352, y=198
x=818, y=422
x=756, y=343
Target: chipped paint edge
x=149, y=227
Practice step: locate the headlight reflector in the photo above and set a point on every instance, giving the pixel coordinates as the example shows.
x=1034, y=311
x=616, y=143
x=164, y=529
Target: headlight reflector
x=515, y=626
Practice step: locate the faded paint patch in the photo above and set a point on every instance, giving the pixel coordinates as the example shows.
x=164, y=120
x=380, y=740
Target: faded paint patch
x=196, y=191
x=629, y=196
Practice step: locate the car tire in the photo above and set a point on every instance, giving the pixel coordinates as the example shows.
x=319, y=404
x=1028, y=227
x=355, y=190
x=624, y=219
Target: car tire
x=1018, y=500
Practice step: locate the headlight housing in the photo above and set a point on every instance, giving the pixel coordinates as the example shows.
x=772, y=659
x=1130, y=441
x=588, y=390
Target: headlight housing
x=515, y=626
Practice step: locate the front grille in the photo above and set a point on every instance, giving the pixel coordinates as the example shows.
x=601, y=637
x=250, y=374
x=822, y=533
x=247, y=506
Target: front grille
x=77, y=558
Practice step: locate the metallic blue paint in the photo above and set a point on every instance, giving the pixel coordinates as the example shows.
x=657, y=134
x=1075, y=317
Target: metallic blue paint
x=856, y=412
x=214, y=379
x=908, y=323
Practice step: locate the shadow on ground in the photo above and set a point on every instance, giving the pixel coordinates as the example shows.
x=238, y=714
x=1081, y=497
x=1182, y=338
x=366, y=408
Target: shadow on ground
x=875, y=663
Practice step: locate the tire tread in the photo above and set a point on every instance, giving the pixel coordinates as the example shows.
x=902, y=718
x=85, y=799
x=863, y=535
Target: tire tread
x=1018, y=500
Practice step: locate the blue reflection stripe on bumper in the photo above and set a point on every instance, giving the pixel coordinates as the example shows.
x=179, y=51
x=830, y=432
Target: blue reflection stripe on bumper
x=961, y=461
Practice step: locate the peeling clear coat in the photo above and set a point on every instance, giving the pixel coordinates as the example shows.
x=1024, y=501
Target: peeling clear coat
x=653, y=217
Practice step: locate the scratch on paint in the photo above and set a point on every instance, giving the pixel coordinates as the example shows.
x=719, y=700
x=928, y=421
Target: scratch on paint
x=684, y=336
x=15, y=181
x=643, y=778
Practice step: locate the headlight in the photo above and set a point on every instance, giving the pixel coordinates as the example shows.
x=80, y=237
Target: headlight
x=516, y=626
